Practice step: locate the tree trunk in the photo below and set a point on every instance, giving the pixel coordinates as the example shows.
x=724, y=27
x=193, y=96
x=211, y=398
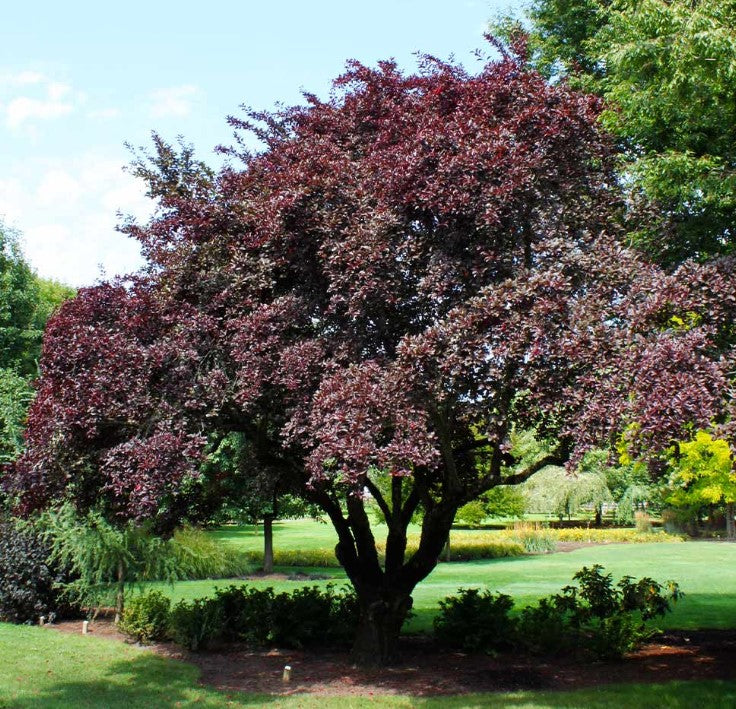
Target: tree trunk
x=377, y=637
x=268, y=544
x=730, y=524
x=120, y=599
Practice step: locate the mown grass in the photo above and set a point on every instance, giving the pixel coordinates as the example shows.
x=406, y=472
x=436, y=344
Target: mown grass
x=44, y=669
x=706, y=572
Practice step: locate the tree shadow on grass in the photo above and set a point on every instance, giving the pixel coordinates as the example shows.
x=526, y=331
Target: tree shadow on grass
x=145, y=681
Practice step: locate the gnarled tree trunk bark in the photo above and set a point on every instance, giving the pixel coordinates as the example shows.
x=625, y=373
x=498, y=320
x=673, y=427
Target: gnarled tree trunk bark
x=377, y=636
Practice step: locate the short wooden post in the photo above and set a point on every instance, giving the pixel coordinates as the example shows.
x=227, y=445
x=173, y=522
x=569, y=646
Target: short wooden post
x=42, y=620
x=287, y=673
x=85, y=627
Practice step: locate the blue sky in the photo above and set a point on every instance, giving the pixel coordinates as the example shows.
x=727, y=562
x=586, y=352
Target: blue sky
x=79, y=79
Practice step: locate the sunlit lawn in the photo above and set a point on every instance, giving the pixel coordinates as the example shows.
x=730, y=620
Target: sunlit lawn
x=706, y=572
x=42, y=668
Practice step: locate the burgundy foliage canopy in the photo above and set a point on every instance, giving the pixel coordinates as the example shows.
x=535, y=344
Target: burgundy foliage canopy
x=405, y=273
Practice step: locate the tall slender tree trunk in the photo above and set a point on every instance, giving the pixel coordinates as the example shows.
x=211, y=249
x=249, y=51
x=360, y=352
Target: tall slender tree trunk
x=268, y=544
x=120, y=598
x=730, y=523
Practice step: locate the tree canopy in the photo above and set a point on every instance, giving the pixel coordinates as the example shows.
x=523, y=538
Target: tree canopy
x=405, y=273
x=667, y=70
x=26, y=303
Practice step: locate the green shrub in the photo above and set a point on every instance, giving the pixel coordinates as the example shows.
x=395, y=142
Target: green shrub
x=642, y=522
x=533, y=538
x=344, y=616
x=475, y=621
x=194, y=625
x=246, y=613
x=197, y=555
x=605, y=619
x=146, y=617
x=545, y=627
x=305, y=617
x=302, y=617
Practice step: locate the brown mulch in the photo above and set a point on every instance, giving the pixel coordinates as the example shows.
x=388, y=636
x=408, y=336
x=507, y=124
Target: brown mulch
x=426, y=669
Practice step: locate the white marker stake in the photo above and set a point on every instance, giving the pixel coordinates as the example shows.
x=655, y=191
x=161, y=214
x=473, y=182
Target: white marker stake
x=42, y=620
x=85, y=627
x=287, y=673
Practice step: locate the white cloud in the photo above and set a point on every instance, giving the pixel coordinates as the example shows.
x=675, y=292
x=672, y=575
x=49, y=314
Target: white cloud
x=47, y=99
x=22, y=78
x=104, y=113
x=67, y=214
x=58, y=187
x=22, y=109
x=176, y=101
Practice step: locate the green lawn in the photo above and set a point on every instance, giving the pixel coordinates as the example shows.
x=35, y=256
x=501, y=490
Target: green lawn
x=44, y=669
x=706, y=572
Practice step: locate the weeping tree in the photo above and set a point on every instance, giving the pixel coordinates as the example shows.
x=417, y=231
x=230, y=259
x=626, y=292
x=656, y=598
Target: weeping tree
x=402, y=276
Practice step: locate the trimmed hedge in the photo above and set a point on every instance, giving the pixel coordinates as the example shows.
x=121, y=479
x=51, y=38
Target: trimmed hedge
x=306, y=617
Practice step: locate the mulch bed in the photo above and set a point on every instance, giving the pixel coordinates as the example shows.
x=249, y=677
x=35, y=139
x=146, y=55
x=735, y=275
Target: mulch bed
x=427, y=670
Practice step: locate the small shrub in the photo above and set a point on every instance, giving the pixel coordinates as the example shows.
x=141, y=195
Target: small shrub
x=246, y=613
x=475, y=621
x=302, y=617
x=30, y=585
x=146, y=617
x=534, y=538
x=545, y=627
x=307, y=616
x=194, y=625
x=344, y=616
x=642, y=522
x=605, y=619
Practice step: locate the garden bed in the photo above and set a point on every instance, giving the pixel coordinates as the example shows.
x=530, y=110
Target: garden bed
x=427, y=670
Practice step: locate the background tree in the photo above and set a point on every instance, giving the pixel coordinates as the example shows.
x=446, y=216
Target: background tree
x=667, y=70
x=233, y=488
x=26, y=303
x=703, y=474
x=403, y=276
x=502, y=502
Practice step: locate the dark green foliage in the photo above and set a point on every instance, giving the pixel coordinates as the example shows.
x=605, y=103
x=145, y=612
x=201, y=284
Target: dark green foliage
x=605, y=619
x=305, y=617
x=545, y=627
x=15, y=396
x=246, y=613
x=195, y=625
x=475, y=621
x=28, y=581
x=26, y=303
x=665, y=69
x=146, y=617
